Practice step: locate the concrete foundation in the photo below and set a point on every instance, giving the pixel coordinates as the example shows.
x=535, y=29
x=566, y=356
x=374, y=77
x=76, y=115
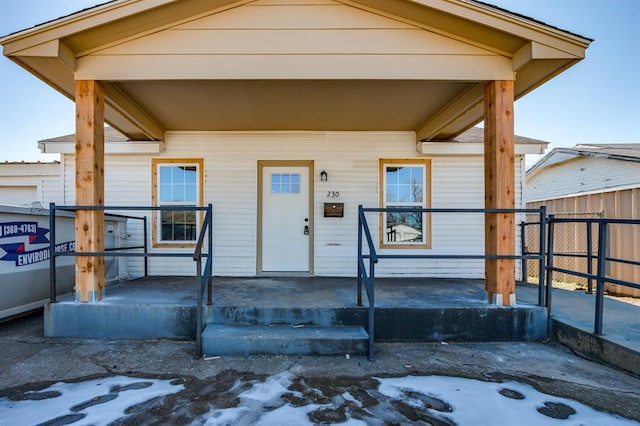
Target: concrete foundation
x=106, y=321
x=596, y=347
x=296, y=315
x=139, y=309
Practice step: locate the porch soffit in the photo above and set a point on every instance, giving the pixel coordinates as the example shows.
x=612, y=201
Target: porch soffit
x=339, y=105
x=273, y=65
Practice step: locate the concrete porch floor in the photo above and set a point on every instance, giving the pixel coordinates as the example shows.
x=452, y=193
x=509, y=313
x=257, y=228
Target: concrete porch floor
x=299, y=292
x=306, y=292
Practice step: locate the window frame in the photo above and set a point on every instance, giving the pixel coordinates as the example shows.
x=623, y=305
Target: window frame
x=426, y=203
x=156, y=163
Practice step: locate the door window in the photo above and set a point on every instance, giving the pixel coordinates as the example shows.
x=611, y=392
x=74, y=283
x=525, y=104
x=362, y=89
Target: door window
x=285, y=183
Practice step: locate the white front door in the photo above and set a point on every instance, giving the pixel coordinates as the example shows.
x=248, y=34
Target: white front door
x=286, y=221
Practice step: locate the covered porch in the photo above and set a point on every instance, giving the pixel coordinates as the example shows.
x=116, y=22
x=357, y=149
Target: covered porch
x=297, y=315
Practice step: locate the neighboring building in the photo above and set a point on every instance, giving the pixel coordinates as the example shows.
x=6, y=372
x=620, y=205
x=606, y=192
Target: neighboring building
x=244, y=105
x=25, y=184
x=593, y=180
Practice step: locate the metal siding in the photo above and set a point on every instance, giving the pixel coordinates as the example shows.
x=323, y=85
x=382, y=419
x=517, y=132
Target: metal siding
x=624, y=239
x=584, y=174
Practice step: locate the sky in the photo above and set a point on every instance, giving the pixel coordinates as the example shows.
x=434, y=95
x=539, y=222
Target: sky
x=595, y=101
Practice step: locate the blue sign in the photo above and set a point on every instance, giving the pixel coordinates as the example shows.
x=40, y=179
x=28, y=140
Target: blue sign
x=17, y=251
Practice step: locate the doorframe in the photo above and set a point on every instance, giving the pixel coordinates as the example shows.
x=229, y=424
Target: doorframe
x=262, y=164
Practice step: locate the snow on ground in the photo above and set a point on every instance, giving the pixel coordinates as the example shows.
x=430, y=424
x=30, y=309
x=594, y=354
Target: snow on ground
x=285, y=399
x=93, y=402
x=449, y=400
x=474, y=402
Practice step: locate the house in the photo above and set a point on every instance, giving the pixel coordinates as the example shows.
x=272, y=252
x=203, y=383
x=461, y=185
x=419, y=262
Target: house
x=592, y=180
x=269, y=109
x=28, y=183
x=128, y=177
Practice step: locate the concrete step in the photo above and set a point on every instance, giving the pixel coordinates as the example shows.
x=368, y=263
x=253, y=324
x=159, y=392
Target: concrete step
x=219, y=339
x=277, y=315
x=461, y=324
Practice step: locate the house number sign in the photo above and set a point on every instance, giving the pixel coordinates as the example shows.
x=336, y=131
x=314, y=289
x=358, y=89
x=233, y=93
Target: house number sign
x=333, y=194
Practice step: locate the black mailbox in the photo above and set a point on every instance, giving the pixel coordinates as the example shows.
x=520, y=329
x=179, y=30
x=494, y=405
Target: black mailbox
x=333, y=209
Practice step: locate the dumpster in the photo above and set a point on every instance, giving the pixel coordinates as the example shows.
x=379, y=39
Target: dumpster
x=24, y=256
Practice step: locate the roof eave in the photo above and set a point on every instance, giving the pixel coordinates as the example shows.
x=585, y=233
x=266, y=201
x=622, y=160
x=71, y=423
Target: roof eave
x=571, y=154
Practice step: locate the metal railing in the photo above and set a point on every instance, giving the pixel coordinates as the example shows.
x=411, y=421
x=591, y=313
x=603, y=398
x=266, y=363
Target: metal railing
x=573, y=246
x=540, y=254
x=202, y=277
x=602, y=257
x=206, y=277
x=367, y=278
x=53, y=208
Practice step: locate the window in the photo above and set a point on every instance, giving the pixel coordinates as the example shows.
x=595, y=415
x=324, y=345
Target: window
x=405, y=183
x=176, y=182
x=284, y=183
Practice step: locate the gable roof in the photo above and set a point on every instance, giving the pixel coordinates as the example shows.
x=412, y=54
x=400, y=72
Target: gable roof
x=416, y=65
x=489, y=5
x=617, y=152
x=613, y=151
x=110, y=135
x=476, y=135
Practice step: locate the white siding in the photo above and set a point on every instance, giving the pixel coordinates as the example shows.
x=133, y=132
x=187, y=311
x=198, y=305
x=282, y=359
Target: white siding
x=582, y=175
x=52, y=190
x=352, y=161
x=127, y=183
x=26, y=183
x=18, y=195
x=69, y=178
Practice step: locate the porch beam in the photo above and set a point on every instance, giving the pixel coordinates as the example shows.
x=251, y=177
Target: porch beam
x=268, y=66
x=499, y=177
x=130, y=118
x=459, y=114
x=89, y=224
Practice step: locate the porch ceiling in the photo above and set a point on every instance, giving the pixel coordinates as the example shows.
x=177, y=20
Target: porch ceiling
x=339, y=105
x=417, y=65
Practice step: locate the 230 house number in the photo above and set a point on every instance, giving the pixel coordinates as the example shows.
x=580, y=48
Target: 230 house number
x=333, y=194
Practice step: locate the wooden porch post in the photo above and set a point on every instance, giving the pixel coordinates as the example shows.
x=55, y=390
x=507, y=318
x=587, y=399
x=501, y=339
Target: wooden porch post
x=89, y=228
x=499, y=176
